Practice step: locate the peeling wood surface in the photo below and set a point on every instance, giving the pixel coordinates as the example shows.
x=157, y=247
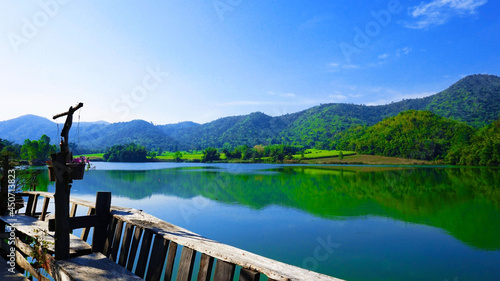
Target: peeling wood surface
x=5, y=274
x=273, y=269
x=33, y=227
x=94, y=267
x=154, y=226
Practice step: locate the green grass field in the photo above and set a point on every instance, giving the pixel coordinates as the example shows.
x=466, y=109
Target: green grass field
x=169, y=156
x=318, y=153
x=93, y=156
x=185, y=156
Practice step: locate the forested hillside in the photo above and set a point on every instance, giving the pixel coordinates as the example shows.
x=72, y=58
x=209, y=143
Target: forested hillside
x=411, y=134
x=251, y=129
x=482, y=150
x=474, y=100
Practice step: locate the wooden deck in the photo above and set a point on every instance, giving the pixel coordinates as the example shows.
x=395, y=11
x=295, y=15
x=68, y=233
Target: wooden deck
x=139, y=246
x=32, y=227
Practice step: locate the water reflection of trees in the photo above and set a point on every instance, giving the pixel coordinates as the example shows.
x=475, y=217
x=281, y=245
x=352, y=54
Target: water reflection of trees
x=31, y=179
x=463, y=201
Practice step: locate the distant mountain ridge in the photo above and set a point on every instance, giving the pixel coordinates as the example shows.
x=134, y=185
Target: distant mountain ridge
x=474, y=100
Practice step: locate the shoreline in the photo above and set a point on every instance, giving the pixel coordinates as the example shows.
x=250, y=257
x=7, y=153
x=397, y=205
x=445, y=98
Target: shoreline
x=358, y=159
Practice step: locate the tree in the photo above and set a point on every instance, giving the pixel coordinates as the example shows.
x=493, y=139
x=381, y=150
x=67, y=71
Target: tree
x=126, y=153
x=10, y=148
x=37, y=151
x=210, y=154
x=178, y=156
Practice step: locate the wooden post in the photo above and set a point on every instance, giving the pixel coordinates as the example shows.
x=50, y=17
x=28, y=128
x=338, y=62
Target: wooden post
x=61, y=196
x=61, y=200
x=102, y=207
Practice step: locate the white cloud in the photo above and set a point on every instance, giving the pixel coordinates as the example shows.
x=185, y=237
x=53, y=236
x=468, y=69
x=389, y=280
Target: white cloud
x=283, y=95
x=403, y=51
x=337, y=97
x=350, y=66
x=383, y=56
x=438, y=12
x=287, y=95
x=334, y=67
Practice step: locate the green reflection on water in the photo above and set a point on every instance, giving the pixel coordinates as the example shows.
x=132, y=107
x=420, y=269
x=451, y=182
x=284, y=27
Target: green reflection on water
x=465, y=202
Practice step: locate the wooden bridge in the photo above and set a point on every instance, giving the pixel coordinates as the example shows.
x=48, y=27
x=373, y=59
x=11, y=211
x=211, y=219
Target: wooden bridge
x=136, y=246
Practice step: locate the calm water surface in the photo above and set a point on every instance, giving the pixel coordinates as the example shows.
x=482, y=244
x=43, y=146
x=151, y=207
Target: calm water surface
x=351, y=222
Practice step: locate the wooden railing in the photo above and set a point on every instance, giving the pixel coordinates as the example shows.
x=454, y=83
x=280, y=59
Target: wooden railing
x=154, y=249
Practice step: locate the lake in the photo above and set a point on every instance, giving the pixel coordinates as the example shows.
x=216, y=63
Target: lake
x=351, y=222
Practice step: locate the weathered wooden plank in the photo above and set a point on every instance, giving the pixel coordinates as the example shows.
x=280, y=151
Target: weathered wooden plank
x=186, y=264
x=83, y=222
x=157, y=259
x=109, y=237
x=144, y=253
x=86, y=231
x=29, y=206
x=129, y=229
x=76, y=200
x=22, y=262
x=102, y=209
x=24, y=250
x=134, y=247
x=249, y=275
x=169, y=268
x=92, y=267
x=116, y=241
x=33, y=227
x=7, y=274
x=35, y=203
x=72, y=213
x=89, y=221
x=271, y=268
x=46, y=202
x=224, y=271
x=206, y=265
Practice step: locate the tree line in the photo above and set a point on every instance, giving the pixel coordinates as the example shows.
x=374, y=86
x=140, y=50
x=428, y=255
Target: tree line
x=424, y=135
x=35, y=151
x=411, y=134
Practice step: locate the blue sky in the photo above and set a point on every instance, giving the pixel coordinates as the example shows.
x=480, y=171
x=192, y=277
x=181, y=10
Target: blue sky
x=173, y=61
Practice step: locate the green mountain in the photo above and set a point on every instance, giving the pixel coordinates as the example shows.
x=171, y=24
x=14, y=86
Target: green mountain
x=135, y=131
x=251, y=129
x=411, y=134
x=27, y=127
x=474, y=100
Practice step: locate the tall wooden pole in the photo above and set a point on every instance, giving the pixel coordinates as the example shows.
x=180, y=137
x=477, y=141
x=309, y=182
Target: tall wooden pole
x=61, y=196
